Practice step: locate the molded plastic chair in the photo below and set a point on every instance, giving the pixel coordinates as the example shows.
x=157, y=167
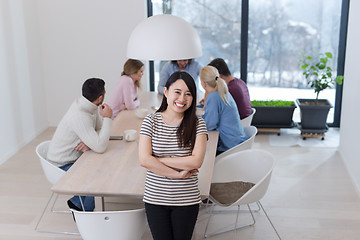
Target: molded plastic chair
x=252, y=166
x=111, y=225
x=245, y=122
x=251, y=132
x=53, y=174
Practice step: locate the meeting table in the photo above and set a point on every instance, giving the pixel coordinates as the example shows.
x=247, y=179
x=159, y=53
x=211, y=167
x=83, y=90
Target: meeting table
x=117, y=171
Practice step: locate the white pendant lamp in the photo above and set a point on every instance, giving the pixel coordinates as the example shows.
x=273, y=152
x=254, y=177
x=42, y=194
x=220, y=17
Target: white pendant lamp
x=164, y=37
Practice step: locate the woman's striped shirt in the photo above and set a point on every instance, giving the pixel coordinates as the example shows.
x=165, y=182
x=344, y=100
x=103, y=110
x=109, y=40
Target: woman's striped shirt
x=161, y=190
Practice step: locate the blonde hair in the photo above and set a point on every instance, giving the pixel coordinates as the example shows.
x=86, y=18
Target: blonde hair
x=210, y=75
x=132, y=66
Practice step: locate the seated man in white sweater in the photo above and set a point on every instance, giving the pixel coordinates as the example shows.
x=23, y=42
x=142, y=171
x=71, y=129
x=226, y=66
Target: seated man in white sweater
x=81, y=129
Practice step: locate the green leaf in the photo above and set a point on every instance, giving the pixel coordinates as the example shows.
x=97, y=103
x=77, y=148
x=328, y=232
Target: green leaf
x=339, y=80
x=328, y=54
x=272, y=103
x=319, y=76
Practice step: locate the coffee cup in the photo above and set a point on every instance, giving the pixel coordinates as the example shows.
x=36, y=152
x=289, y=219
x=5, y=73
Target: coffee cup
x=130, y=135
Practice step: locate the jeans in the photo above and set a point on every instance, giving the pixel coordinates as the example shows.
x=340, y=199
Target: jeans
x=218, y=152
x=171, y=222
x=88, y=201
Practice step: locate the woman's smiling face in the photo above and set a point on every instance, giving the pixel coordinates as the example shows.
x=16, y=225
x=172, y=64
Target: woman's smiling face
x=179, y=97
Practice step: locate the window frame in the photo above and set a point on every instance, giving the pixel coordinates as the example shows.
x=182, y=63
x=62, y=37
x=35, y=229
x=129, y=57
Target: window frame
x=244, y=52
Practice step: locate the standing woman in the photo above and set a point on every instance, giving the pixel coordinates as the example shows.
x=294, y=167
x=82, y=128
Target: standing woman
x=125, y=94
x=221, y=112
x=172, y=148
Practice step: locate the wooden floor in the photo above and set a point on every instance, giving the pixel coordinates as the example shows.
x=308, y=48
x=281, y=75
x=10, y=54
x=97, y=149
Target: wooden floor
x=310, y=197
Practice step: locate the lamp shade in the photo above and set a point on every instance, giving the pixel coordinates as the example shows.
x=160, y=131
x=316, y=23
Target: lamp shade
x=164, y=37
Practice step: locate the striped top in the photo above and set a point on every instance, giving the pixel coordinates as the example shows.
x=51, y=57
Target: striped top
x=160, y=190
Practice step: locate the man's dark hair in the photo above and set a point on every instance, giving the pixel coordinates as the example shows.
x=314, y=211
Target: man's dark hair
x=221, y=66
x=93, y=88
x=175, y=61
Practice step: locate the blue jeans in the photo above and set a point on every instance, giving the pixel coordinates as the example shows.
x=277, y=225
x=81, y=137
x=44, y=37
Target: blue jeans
x=88, y=201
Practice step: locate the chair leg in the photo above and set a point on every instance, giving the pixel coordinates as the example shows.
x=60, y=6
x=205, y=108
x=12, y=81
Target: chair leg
x=207, y=225
x=232, y=229
x=230, y=210
x=207, y=205
x=48, y=231
x=252, y=215
x=269, y=220
x=102, y=204
x=257, y=210
x=58, y=211
x=43, y=212
x=237, y=216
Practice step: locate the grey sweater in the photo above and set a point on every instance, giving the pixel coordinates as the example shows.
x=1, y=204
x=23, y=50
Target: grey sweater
x=81, y=123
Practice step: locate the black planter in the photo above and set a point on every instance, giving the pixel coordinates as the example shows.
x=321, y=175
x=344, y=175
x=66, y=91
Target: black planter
x=313, y=116
x=273, y=117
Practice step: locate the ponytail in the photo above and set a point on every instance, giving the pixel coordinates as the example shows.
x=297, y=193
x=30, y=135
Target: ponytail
x=210, y=75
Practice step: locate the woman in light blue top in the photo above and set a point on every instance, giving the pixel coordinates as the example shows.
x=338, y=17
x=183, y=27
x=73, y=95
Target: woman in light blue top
x=221, y=112
x=187, y=65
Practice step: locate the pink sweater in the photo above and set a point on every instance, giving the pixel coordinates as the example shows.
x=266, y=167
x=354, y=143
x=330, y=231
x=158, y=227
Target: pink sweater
x=125, y=92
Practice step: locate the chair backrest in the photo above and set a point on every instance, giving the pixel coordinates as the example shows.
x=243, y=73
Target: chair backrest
x=52, y=172
x=245, y=122
x=252, y=165
x=251, y=132
x=111, y=225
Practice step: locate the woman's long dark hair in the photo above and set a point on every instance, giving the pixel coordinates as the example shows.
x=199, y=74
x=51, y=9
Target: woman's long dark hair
x=186, y=132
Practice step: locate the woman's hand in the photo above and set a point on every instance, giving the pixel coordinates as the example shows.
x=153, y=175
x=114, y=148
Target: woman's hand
x=187, y=174
x=122, y=107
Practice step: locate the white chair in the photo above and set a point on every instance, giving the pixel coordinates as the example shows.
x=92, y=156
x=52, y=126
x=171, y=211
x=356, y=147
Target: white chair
x=245, y=122
x=251, y=168
x=53, y=174
x=111, y=225
x=251, y=132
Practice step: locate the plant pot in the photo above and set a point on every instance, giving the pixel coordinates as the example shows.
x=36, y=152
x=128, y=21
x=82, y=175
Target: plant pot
x=313, y=115
x=273, y=117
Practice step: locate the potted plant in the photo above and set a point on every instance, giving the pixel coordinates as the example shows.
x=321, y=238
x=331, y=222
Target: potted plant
x=319, y=76
x=273, y=113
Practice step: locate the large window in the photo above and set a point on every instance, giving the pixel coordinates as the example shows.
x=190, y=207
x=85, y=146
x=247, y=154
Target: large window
x=217, y=23
x=279, y=31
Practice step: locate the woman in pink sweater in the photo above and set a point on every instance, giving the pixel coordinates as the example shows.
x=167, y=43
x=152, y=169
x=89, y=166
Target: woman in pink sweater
x=125, y=94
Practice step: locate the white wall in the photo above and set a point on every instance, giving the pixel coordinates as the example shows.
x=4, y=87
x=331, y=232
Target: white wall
x=48, y=48
x=83, y=39
x=23, y=109
x=350, y=114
